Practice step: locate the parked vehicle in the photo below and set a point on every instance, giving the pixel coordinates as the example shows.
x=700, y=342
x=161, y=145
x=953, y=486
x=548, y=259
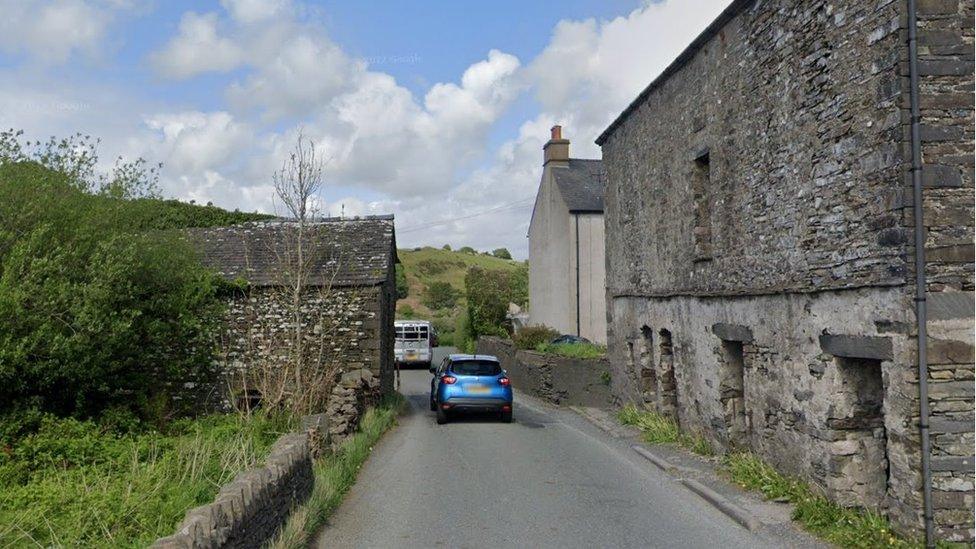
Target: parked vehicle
x=568, y=339
x=470, y=383
x=414, y=343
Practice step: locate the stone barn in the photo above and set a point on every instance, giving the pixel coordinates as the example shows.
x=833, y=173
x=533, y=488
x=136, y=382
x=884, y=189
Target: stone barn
x=348, y=295
x=761, y=247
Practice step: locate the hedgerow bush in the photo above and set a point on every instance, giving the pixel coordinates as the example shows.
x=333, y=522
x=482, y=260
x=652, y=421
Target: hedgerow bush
x=531, y=337
x=98, y=303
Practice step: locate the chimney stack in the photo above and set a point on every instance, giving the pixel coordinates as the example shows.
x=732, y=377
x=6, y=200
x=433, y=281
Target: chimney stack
x=556, y=150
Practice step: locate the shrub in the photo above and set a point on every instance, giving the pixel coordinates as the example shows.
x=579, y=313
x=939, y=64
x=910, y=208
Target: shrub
x=573, y=350
x=468, y=250
x=402, y=288
x=501, y=253
x=441, y=295
x=405, y=311
x=95, y=311
x=446, y=247
x=531, y=337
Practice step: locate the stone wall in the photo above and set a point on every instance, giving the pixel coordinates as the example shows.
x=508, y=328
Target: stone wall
x=759, y=247
x=560, y=380
x=249, y=510
x=343, y=330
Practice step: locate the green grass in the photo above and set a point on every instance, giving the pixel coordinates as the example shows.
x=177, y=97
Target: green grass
x=573, y=350
x=75, y=484
x=335, y=474
x=656, y=428
x=845, y=527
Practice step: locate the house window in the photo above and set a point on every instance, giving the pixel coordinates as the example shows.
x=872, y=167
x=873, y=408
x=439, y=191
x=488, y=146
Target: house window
x=701, y=189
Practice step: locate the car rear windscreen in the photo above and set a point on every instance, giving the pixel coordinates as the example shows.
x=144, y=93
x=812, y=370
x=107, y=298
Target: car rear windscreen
x=476, y=368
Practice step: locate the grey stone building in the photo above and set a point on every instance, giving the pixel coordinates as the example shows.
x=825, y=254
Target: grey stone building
x=760, y=247
x=347, y=304
x=567, y=282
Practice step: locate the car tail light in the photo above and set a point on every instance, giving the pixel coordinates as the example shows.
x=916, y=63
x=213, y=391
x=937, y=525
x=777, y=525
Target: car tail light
x=449, y=380
x=505, y=381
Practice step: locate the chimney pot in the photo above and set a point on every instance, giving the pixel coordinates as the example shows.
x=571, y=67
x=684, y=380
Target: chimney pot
x=556, y=149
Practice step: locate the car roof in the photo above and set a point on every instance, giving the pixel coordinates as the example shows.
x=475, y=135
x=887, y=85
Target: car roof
x=411, y=323
x=460, y=356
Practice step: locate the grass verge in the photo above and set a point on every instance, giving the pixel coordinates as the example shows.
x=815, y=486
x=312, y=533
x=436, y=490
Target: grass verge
x=841, y=526
x=335, y=474
x=660, y=429
x=75, y=484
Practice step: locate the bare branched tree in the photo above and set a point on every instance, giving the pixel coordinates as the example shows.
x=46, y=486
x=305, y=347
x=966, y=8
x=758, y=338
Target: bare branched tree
x=297, y=184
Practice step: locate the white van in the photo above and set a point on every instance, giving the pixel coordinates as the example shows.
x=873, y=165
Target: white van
x=415, y=342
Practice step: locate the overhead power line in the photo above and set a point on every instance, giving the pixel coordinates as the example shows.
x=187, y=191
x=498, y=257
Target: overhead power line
x=510, y=206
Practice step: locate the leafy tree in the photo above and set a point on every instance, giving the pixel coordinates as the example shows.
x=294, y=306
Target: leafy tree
x=102, y=306
x=501, y=253
x=93, y=313
x=446, y=247
x=468, y=250
x=441, y=295
x=402, y=288
x=488, y=292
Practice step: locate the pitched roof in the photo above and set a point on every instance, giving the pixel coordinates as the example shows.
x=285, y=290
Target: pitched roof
x=581, y=184
x=340, y=252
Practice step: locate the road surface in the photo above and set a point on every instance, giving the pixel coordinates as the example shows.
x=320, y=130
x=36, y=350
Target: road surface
x=550, y=479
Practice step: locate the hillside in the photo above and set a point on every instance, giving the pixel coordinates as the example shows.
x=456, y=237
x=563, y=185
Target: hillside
x=427, y=267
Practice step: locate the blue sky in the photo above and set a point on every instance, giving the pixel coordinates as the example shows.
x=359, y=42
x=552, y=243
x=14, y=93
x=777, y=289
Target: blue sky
x=432, y=110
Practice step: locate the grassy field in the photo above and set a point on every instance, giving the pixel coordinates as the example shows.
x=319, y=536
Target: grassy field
x=76, y=484
x=427, y=266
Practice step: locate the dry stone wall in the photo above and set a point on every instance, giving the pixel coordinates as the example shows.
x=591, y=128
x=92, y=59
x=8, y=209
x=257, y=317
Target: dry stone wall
x=559, y=380
x=760, y=246
x=251, y=509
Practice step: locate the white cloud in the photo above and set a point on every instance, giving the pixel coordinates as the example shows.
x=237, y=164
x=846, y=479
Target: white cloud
x=194, y=142
x=198, y=48
x=424, y=157
x=255, y=11
x=51, y=31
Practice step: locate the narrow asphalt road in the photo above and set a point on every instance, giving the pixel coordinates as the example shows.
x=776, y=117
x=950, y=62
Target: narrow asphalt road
x=550, y=479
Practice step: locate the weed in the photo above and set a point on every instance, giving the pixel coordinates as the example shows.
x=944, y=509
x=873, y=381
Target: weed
x=573, y=350
x=73, y=484
x=335, y=474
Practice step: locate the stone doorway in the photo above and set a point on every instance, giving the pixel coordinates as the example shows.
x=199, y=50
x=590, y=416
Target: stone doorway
x=648, y=374
x=858, y=455
x=668, y=387
x=732, y=393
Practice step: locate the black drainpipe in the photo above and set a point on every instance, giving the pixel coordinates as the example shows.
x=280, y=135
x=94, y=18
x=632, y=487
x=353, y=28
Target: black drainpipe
x=578, y=333
x=921, y=314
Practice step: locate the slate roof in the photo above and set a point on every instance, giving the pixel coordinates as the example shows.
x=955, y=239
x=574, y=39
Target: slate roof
x=581, y=184
x=343, y=252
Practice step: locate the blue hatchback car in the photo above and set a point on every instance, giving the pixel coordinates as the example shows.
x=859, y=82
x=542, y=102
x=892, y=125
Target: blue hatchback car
x=470, y=383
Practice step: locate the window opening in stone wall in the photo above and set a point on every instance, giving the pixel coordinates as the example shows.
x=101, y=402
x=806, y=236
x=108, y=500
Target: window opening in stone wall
x=648, y=374
x=858, y=464
x=668, y=404
x=732, y=393
x=701, y=189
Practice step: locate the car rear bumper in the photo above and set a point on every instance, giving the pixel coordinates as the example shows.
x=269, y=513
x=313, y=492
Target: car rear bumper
x=476, y=404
